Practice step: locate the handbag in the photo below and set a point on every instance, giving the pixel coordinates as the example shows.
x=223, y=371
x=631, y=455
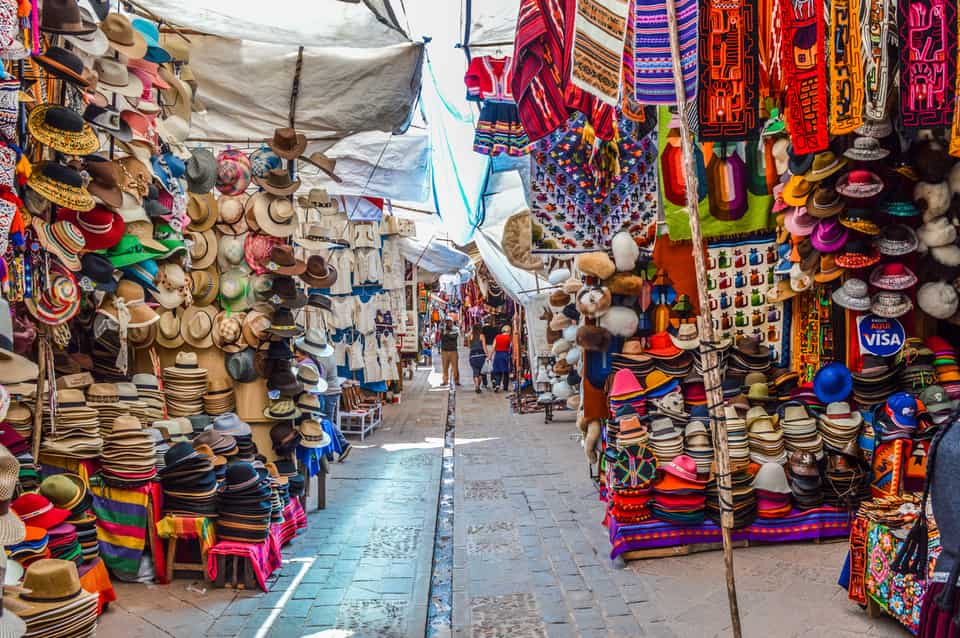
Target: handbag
x=486, y=368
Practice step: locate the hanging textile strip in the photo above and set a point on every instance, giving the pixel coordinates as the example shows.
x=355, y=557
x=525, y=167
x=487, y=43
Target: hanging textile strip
x=599, y=30
x=928, y=51
x=804, y=72
x=846, y=78
x=652, y=61
x=875, y=40
x=769, y=43
x=955, y=129
x=728, y=70
x=629, y=107
x=856, y=590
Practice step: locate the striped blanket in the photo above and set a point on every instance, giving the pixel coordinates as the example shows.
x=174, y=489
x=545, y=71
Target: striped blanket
x=599, y=31
x=652, y=60
x=123, y=521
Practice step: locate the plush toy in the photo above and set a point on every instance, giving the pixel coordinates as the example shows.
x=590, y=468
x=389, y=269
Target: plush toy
x=570, y=333
x=596, y=264
x=590, y=440
x=932, y=199
x=552, y=333
x=593, y=302
x=561, y=368
x=559, y=321
x=625, y=251
x=558, y=276
x=559, y=299
x=593, y=338
x=620, y=321
x=938, y=299
x=938, y=237
x=560, y=347
x=574, y=402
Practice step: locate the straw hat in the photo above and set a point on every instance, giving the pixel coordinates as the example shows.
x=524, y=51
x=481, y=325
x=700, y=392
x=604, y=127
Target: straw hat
x=62, y=129
x=202, y=211
x=313, y=435
x=196, y=326
x=61, y=185
x=231, y=219
x=168, y=329
x=63, y=239
x=274, y=215
x=205, y=286
x=203, y=248
x=60, y=302
x=228, y=331
x=132, y=297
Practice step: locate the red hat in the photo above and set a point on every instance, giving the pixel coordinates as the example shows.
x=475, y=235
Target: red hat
x=683, y=467
x=101, y=228
x=661, y=345
x=35, y=510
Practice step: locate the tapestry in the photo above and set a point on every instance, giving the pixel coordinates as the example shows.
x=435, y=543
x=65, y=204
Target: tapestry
x=580, y=197
x=814, y=340
x=598, y=34
x=652, y=60
x=769, y=38
x=804, y=71
x=928, y=52
x=629, y=107
x=728, y=70
x=899, y=595
x=889, y=461
x=846, y=67
x=876, y=37
x=856, y=589
x=731, y=184
x=738, y=276
x=123, y=521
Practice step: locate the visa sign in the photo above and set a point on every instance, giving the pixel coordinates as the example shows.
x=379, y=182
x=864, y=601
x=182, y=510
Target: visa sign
x=880, y=336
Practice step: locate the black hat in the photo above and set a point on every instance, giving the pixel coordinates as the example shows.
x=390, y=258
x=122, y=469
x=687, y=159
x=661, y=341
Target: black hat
x=285, y=292
x=155, y=209
x=279, y=350
x=799, y=164
x=62, y=174
x=283, y=324
x=96, y=273
x=284, y=382
x=107, y=120
x=239, y=476
x=240, y=365
x=570, y=312
x=179, y=454
x=62, y=64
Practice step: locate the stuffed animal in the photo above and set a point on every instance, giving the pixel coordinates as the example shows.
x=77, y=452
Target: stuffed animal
x=625, y=251
x=938, y=299
x=593, y=338
x=593, y=302
x=590, y=440
x=552, y=333
x=596, y=264
x=620, y=321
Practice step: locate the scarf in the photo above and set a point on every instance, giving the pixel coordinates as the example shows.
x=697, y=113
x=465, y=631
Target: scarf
x=600, y=27
x=928, y=50
x=804, y=71
x=652, y=59
x=875, y=39
x=728, y=109
x=846, y=80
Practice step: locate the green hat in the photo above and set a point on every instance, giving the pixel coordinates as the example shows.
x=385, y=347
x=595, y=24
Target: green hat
x=63, y=490
x=166, y=235
x=129, y=251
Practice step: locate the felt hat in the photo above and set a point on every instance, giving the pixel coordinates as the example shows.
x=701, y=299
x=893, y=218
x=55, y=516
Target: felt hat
x=196, y=326
x=824, y=165
x=829, y=236
x=825, y=202
x=123, y=37
x=37, y=511
x=892, y=276
x=857, y=254
x=96, y=273
x=62, y=129
x=282, y=261
x=115, y=79
x=278, y=182
x=201, y=172
x=319, y=273
x=891, y=304
x=240, y=366
x=155, y=53
x=860, y=220
x=829, y=271
x=833, y=382
x=314, y=343
x=860, y=184
x=896, y=240
x=799, y=222
x=282, y=324
x=866, y=149
x=63, y=64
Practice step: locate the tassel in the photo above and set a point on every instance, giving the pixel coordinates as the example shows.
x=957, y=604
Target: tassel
x=24, y=169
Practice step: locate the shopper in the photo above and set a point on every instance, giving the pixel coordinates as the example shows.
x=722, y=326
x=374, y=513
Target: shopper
x=449, y=342
x=478, y=355
x=490, y=332
x=501, y=359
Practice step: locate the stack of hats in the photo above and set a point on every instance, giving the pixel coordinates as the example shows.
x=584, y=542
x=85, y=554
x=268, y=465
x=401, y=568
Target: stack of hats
x=313, y=435
x=839, y=425
x=672, y=406
x=939, y=406
x=749, y=355
x=220, y=397
x=744, y=499
x=69, y=492
x=917, y=370
x=696, y=440
x=666, y=441
x=632, y=358
x=199, y=422
x=245, y=505
x=52, y=602
x=876, y=381
x=679, y=496
x=694, y=390
x=772, y=490
x=28, y=476
x=20, y=417
x=803, y=476
x=105, y=398
x=148, y=389
x=626, y=390
x=63, y=543
x=783, y=382
x=659, y=384
x=846, y=483
x=76, y=433
x=667, y=357
x=129, y=455
x=272, y=480
x=280, y=484
x=945, y=364
x=764, y=437
x=800, y=430
x=901, y=411
x=632, y=431
x=630, y=473
x=36, y=511
x=32, y=548
x=185, y=383
x=130, y=402
x=230, y=423
x=295, y=480
x=737, y=440
x=189, y=482
x=160, y=445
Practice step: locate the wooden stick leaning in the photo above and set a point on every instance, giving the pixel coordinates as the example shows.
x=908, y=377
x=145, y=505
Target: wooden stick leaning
x=42, y=384
x=708, y=344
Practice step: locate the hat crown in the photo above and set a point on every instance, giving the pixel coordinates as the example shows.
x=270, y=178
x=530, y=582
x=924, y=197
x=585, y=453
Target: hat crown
x=51, y=579
x=9, y=473
x=200, y=326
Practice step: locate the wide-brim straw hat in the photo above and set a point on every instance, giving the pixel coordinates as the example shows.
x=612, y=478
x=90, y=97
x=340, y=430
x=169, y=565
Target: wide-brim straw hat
x=891, y=304
x=274, y=215
x=42, y=126
x=228, y=331
x=205, y=285
x=47, y=180
x=168, y=329
x=196, y=326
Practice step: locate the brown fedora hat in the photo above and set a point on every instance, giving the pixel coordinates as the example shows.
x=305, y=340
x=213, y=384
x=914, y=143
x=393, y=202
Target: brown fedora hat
x=278, y=182
x=319, y=273
x=287, y=143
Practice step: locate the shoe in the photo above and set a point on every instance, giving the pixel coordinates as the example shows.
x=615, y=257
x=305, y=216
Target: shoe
x=478, y=390
x=343, y=455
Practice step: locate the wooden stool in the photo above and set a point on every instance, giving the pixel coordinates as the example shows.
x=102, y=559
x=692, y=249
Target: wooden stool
x=173, y=565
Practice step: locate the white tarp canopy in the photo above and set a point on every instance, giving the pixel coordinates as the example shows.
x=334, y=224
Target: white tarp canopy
x=317, y=23
x=493, y=23
x=434, y=256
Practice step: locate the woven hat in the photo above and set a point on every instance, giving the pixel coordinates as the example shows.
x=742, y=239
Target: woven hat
x=860, y=184
x=273, y=215
x=228, y=331
x=866, y=149
x=891, y=304
x=205, y=286
x=59, y=302
x=892, y=276
x=132, y=297
x=313, y=435
x=63, y=239
x=196, y=326
x=101, y=227
x=168, y=329
x=61, y=185
x=203, y=248
x=62, y=129
x=857, y=254
x=233, y=172
x=896, y=240
x=232, y=220
x=314, y=343
x=852, y=295
x=202, y=211
x=201, y=172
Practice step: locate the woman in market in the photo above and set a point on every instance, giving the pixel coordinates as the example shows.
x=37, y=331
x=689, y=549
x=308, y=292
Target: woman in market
x=502, y=345
x=478, y=355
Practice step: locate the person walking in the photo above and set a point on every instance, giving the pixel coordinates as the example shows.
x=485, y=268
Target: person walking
x=502, y=346
x=490, y=332
x=478, y=355
x=449, y=343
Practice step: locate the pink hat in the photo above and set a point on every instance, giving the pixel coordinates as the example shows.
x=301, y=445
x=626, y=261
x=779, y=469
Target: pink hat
x=778, y=204
x=829, y=236
x=683, y=467
x=257, y=249
x=233, y=172
x=625, y=383
x=892, y=276
x=798, y=222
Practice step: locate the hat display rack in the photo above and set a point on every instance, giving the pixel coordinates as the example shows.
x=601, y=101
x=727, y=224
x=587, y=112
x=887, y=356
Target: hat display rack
x=776, y=363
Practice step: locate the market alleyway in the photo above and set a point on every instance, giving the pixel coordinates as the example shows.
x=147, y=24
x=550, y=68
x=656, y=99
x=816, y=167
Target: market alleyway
x=530, y=558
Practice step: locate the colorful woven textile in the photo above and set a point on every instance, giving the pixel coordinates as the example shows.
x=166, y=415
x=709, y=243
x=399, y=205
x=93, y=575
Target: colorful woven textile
x=123, y=521
x=652, y=61
x=199, y=527
x=730, y=180
x=264, y=557
x=822, y=522
x=846, y=67
x=804, y=71
x=881, y=16
x=599, y=30
x=856, y=589
x=728, y=70
x=899, y=595
x=581, y=198
x=738, y=276
x=928, y=52
x=629, y=107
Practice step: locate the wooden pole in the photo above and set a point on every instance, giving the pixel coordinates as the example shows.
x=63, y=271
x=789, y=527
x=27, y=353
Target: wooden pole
x=708, y=344
x=42, y=346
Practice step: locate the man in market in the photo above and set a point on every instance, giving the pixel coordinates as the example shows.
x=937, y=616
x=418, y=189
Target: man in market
x=449, y=342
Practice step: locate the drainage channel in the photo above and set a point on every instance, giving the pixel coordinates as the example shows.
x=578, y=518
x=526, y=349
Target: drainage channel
x=440, y=611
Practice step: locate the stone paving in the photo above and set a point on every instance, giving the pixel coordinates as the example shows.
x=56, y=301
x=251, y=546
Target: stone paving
x=530, y=560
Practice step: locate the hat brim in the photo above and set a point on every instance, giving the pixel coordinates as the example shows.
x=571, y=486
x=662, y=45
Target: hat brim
x=283, y=191
x=294, y=152
x=60, y=71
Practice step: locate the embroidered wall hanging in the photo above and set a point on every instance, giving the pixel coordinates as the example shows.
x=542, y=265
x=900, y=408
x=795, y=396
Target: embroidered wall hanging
x=804, y=72
x=769, y=38
x=731, y=181
x=877, y=39
x=846, y=68
x=728, y=70
x=580, y=200
x=928, y=52
x=814, y=340
x=598, y=34
x=738, y=276
x=652, y=60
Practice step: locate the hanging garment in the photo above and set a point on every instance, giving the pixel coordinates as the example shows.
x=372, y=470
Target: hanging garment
x=341, y=315
x=392, y=264
x=389, y=358
x=342, y=260
x=599, y=29
x=372, y=371
x=879, y=36
x=498, y=128
x=846, y=64
x=356, y=354
x=365, y=235
x=340, y=353
x=804, y=70
x=367, y=266
x=365, y=314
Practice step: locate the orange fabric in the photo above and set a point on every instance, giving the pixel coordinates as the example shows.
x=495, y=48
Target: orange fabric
x=595, y=405
x=675, y=259
x=96, y=580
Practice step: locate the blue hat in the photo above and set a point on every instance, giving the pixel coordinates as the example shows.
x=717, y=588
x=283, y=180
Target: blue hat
x=833, y=382
x=143, y=273
x=902, y=409
x=699, y=412
x=663, y=390
x=263, y=160
x=150, y=33
x=166, y=167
